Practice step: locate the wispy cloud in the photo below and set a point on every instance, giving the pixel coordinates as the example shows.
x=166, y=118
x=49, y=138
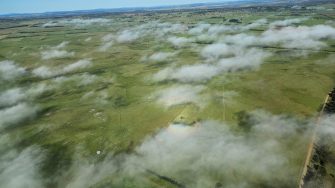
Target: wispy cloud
x=56, y=52
x=9, y=70
x=180, y=94
x=45, y=72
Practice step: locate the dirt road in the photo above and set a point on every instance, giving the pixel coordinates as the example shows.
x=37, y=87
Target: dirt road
x=311, y=145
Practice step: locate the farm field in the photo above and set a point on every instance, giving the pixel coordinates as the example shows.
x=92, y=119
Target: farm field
x=181, y=98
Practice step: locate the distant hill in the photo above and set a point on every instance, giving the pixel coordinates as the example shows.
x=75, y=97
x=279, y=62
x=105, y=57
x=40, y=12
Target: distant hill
x=235, y=4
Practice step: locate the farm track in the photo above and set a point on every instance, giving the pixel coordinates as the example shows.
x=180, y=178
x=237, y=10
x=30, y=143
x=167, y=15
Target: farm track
x=310, y=148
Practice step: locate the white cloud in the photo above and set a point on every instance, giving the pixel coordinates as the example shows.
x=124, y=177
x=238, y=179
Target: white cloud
x=199, y=29
x=251, y=58
x=255, y=24
x=208, y=152
x=282, y=23
x=159, y=56
x=107, y=42
x=188, y=73
x=21, y=169
x=56, y=52
x=221, y=58
x=216, y=51
x=11, y=97
x=85, y=22
x=179, y=41
x=108, y=37
x=50, y=54
x=84, y=63
x=9, y=70
x=46, y=72
x=195, y=73
x=16, y=114
x=88, y=39
x=299, y=37
x=85, y=174
x=164, y=74
x=105, y=46
x=220, y=29
x=61, y=45
x=177, y=95
x=242, y=39
x=174, y=28
x=17, y=95
x=50, y=24
x=202, y=155
x=128, y=36
x=217, y=29
x=77, y=22
x=80, y=79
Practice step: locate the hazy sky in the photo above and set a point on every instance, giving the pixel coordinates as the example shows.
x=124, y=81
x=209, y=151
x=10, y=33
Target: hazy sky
x=30, y=6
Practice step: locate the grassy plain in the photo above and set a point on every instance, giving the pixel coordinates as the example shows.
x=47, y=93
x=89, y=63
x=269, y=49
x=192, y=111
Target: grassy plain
x=121, y=112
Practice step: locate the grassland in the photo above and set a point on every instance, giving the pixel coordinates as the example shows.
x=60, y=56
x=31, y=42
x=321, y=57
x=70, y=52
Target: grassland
x=111, y=105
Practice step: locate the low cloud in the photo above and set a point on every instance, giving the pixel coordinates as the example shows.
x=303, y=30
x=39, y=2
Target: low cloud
x=46, y=72
x=81, y=64
x=299, y=37
x=210, y=153
x=179, y=42
x=80, y=79
x=154, y=29
x=159, y=57
x=215, y=51
x=50, y=54
x=50, y=24
x=255, y=24
x=177, y=95
x=199, y=29
x=246, y=59
x=86, y=174
x=283, y=23
x=265, y=152
x=128, y=36
x=56, y=52
x=222, y=58
x=234, y=52
x=9, y=70
x=77, y=22
x=105, y=46
x=242, y=39
x=61, y=45
x=218, y=29
x=85, y=22
x=16, y=114
x=11, y=97
x=107, y=42
x=175, y=28
x=21, y=169
x=16, y=104
x=188, y=73
x=195, y=73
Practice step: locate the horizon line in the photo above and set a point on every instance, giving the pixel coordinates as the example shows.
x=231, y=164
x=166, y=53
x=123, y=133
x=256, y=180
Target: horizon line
x=128, y=7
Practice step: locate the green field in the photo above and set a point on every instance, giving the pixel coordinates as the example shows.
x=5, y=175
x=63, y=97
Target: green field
x=89, y=93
